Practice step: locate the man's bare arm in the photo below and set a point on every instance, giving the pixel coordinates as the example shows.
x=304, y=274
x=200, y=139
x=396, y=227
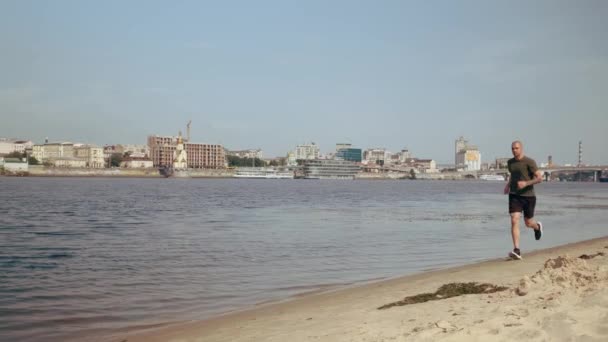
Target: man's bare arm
x=538, y=178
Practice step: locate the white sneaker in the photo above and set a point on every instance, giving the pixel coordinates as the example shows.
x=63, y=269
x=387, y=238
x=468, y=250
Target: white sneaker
x=515, y=254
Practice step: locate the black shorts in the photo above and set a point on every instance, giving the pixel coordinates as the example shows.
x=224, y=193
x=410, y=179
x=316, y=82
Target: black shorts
x=518, y=203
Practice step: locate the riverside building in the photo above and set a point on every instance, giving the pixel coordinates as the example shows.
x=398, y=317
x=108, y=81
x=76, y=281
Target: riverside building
x=8, y=146
x=307, y=151
x=376, y=156
x=467, y=156
x=199, y=156
x=250, y=154
x=93, y=155
x=347, y=152
x=67, y=154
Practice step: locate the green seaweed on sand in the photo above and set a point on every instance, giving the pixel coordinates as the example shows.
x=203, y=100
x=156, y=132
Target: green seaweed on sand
x=448, y=291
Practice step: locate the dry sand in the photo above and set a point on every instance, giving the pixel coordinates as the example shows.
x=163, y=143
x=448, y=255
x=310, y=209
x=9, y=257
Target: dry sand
x=553, y=295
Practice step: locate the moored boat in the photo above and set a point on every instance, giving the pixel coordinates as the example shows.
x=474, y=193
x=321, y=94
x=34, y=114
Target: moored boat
x=263, y=173
x=330, y=169
x=492, y=177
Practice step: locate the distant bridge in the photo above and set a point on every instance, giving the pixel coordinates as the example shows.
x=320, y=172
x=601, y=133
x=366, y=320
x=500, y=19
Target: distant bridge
x=547, y=171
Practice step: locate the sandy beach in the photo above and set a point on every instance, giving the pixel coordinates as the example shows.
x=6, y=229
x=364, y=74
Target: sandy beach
x=557, y=294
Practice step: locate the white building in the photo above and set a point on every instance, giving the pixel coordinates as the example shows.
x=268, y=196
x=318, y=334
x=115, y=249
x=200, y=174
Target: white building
x=137, y=163
x=250, y=154
x=93, y=155
x=69, y=162
x=67, y=154
x=422, y=165
x=291, y=159
x=307, y=151
x=13, y=165
x=180, y=157
x=136, y=151
x=469, y=159
x=467, y=156
x=8, y=146
x=394, y=159
x=404, y=155
x=376, y=156
x=53, y=151
x=22, y=145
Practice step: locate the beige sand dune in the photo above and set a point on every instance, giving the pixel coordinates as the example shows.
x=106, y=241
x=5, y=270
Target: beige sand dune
x=552, y=295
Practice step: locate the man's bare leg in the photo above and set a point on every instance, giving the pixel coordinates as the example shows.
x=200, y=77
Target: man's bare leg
x=536, y=225
x=515, y=228
x=531, y=223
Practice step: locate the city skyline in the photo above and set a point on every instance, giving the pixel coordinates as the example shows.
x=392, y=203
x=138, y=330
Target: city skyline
x=325, y=154
x=273, y=75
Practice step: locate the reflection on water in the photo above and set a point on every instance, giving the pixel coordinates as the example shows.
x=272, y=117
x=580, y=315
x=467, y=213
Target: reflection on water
x=87, y=256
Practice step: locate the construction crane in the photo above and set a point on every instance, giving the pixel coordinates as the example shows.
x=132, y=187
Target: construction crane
x=188, y=130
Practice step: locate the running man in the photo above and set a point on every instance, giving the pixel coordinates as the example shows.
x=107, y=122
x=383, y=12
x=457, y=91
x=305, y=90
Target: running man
x=523, y=174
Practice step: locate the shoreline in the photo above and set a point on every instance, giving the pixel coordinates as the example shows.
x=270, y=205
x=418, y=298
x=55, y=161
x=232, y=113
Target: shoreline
x=158, y=176
x=349, y=313
x=42, y=171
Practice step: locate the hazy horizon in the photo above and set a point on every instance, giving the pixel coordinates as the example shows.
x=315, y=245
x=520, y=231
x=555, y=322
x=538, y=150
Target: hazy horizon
x=275, y=74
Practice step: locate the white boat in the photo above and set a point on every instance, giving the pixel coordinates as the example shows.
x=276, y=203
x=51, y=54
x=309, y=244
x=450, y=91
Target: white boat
x=492, y=177
x=263, y=173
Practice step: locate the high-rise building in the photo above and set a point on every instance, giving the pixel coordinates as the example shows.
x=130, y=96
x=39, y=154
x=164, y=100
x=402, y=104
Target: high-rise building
x=467, y=156
x=162, y=149
x=459, y=145
x=350, y=154
x=469, y=159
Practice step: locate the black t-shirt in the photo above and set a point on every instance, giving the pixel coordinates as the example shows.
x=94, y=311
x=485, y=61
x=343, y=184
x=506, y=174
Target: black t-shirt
x=522, y=170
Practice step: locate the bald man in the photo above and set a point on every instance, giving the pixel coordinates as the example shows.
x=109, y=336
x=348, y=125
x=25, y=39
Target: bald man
x=523, y=174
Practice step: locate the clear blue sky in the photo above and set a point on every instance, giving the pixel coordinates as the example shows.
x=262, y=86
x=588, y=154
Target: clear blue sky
x=274, y=74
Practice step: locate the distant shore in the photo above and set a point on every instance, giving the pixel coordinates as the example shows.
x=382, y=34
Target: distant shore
x=41, y=171
x=553, y=294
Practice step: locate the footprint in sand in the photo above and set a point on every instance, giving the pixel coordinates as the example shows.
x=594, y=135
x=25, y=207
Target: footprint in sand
x=517, y=312
x=446, y=326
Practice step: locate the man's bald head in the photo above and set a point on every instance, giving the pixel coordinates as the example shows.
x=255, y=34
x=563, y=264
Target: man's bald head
x=518, y=149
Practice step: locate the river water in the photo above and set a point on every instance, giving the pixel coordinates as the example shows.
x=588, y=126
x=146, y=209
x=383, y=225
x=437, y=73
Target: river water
x=92, y=256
